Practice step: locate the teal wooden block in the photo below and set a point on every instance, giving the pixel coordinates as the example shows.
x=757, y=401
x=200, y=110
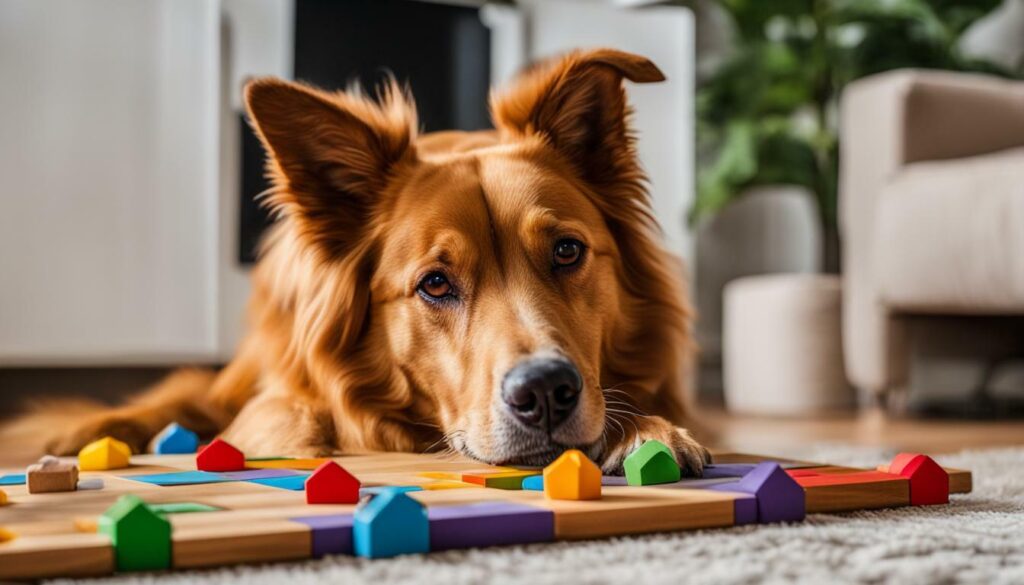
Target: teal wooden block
x=390, y=524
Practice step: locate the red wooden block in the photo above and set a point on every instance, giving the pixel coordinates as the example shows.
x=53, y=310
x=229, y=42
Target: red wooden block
x=331, y=484
x=220, y=455
x=820, y=479
x=794, y=473
x=929, y=482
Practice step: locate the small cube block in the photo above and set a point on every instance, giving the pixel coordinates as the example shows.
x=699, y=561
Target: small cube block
x=106, y=453
x=390, y=524
x=929, y=482
x=651, y=464
x=3, y=497
x=572, y=477
x=175, y=440
x=6, y=534
x=51, y=475
x=220, y=455
x=332, y=484
x=141, y=537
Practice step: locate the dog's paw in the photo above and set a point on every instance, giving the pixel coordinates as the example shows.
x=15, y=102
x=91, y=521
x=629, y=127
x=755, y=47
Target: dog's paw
x=690, y=455
x=70, y=441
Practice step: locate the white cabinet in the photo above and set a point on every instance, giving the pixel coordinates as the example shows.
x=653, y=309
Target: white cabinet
x=109, y=138
x=119, y=159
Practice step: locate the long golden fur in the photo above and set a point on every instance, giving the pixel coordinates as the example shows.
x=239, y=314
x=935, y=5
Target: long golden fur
x=344, y=351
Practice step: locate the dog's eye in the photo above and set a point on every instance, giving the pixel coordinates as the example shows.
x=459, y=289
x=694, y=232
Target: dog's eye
x=436, y=286
x=568, y=252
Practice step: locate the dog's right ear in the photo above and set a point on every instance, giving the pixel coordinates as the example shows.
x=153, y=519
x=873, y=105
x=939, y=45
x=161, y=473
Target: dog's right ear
x=331, y=154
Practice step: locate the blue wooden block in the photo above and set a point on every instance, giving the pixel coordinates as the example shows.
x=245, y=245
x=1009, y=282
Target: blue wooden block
x=179, y=478
x=377, y=490
x=534, y=483
x=175, y=440
x=295, y=483
x=390, y=524
x=12, y=479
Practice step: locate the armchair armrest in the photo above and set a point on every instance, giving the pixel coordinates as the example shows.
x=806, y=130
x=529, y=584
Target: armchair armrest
x=886, y=122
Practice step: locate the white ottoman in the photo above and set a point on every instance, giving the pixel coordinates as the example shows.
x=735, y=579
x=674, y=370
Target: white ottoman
x=783, y=345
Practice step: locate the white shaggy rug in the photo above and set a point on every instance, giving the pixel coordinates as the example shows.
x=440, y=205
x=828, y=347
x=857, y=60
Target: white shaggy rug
x=978, y=538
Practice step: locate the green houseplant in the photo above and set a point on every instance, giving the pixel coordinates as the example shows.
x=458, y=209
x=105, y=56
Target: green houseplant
x=768, y=114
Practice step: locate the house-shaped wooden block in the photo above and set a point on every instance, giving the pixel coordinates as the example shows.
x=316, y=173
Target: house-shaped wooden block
x=779, y=497
x=929, y=482
x=390, y=524
x=572, y=477
x=106, y=453
x=652, y=463
x=141, y=538
x=175, y=440
x=220, y=455
x=332, y=484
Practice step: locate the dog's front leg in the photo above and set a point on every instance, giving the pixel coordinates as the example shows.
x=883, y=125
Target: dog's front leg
x=278, y=424
x=628, y=432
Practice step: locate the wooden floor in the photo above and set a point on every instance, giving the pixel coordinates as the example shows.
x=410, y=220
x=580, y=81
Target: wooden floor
x=869, y=428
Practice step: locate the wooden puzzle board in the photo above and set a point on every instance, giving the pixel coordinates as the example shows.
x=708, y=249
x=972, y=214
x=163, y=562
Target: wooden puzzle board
x=56, y=532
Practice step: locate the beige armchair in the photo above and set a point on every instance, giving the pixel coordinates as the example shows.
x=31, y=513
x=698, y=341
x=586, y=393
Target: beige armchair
x=931, y=210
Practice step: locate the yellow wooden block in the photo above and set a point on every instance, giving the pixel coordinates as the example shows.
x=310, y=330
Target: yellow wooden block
x=572, y=477
x=5, y=534
x=106, y=453
x=285, y=463
x=447, y=485
x=3, y=497
x=453, y=475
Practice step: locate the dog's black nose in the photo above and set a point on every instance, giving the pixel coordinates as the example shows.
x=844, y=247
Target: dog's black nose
x=542, y=392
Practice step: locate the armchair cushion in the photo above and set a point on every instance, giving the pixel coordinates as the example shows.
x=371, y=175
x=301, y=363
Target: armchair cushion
x=949, y=236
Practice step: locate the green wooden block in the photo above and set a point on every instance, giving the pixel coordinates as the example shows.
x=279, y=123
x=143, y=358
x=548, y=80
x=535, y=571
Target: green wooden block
x=141, y=537
x=181, y=508
x=652, y=463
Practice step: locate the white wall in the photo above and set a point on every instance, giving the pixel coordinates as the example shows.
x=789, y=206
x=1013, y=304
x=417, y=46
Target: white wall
x=108, y=180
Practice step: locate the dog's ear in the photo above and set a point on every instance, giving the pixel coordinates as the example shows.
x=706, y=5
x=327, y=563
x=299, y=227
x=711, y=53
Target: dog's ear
x=577, y=103
x=331, y=155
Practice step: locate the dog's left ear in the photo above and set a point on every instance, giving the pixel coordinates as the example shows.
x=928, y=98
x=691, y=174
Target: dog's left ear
x=577, y=103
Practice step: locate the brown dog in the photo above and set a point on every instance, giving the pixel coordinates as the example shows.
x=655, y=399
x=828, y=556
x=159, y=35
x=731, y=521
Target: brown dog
x=499, y=293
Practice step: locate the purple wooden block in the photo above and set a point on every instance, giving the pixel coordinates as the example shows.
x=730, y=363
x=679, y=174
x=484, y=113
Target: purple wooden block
x=779, y=497
x=489, y=524
x=613, y=480
x=745, y=510
x=736, y=470
x=693, y=484
x=331, y=535
x=250, y=474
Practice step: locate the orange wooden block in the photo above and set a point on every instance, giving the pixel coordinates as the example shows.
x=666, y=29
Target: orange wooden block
x=572, y=477
x=285, y=463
